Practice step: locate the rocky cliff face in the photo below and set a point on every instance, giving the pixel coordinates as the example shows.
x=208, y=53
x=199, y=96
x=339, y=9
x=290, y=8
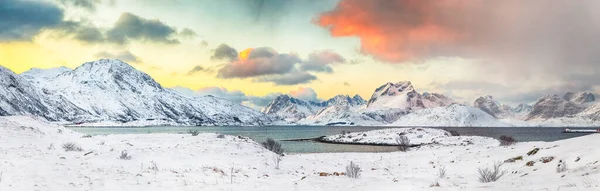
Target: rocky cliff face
x=579, y=97
x=554, y=106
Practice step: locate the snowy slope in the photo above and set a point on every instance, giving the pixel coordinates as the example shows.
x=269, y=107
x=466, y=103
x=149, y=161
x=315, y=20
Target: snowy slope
x=20, y=97
x=454, y=115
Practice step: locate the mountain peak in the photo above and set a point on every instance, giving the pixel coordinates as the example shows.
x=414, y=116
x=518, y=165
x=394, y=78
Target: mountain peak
x=579, y=97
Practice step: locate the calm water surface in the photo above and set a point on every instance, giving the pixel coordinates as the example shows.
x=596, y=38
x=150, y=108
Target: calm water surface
x=260, y=134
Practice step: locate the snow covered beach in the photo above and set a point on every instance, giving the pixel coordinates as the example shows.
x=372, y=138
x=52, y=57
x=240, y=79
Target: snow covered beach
x=32, y=158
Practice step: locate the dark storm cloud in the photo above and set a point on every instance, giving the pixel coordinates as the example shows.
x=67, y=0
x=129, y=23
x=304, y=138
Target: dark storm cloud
x=22, y=20
x=132, y=27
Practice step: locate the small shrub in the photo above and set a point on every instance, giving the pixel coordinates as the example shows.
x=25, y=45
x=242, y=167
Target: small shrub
x=51, y=147
x=353, y=170
x=60, y=131
x=403, y=143
x=530, y=163
x=506, y=140
x=220, y=136
x=546, y=159
x=193, y=132
x=435, y=184
x=124, y=155
x=533, y=152
x=86, y=136
x=491, y=175
x=70, y=146
x=154, y=167
x=513, y=159
x=273, y=146
x=561, y=167
x=442, y=172
x=101, y=143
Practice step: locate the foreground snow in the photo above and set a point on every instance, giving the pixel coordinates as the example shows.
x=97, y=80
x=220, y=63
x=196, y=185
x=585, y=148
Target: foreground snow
x=31, y=158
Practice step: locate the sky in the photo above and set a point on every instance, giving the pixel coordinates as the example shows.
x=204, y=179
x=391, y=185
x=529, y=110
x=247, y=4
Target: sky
x=250, y=51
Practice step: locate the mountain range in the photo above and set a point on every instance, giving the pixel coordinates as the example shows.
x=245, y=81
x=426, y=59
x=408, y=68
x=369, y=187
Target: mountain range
x=109, y=90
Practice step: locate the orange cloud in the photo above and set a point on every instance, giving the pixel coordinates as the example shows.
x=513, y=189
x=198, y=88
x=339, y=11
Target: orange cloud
x=392, y=31
x=245, y=54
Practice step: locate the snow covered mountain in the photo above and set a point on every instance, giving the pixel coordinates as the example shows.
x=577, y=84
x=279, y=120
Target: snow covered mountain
x=392, y=100
x=111, y=90
x=341, y=109
x=291, y=109
x=402, y=95
x=554, y=106
x=19, y=97
x=579, y=97
x=492, y=107
x=454, y=115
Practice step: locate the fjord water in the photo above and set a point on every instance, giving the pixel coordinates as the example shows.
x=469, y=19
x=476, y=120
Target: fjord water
x=260, y=134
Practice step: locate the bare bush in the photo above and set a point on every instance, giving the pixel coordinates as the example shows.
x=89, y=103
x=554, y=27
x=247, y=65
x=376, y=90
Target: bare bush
x=70, y=146
x=491, y=175
x=435, y=184
x=193, y=132
x=101, y=143
x=51, y=147
x=87, y=136
x=403, y=143
x=276, y=161
x=154, y=167
x=125, y=155
x=353, y=170
x=220, y=136
x=507, y=140
x=561, y=167
x=273, y=145
x=442, y=172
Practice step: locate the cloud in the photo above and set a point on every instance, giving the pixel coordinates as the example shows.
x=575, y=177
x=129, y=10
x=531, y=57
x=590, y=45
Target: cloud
x=305, y=94
x=259, y=62
x=196, y=69
x=321, y=61
x=125, y=56
x=81, y=31
x=204, y=44
x=130, y=26
x=89, y=5
x=262, y=101
x=188, y=33
x=289, y=79
x=264, y=64
x=500, y=31
x=237, y=96
x=22, y=20
x=224, y=51
x=527, y=45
